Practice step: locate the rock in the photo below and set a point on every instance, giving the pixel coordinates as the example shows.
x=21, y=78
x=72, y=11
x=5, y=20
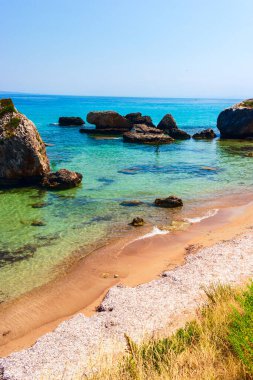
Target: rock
x=137, y=222
x=107, y=122
x=40, y=205
x=207, y=134
x=38, y=223
x=169, y=202
x=137, y=118
x=141, y=133
x=168, y=122
x=61, y=180
x=70, y=120
x=168, y=125
x=23, y=158
x=11, y=256
x=131, y=203
x=236, y=122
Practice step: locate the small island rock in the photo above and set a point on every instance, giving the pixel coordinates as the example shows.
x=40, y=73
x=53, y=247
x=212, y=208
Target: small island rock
x=236, y=122
x=108, y=122
x=70, y=120
x=207, y=134
x=169, y=202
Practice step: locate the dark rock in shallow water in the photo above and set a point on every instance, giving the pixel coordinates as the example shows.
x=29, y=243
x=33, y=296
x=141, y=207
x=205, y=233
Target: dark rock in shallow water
x=168, y=125
x=207, y=134
x=23, y=158
x=169, y=202
x=70, y=120
x=61, y=180
x=40, y=205
x=8, y=256
x=131, y=203
x=108, y=122
x=37, y=223
x=137, y=118
x=236, y=122
x=140, y=133
x=137, y=222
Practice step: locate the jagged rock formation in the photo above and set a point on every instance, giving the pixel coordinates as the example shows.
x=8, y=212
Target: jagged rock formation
x=137, y=118
x=61, y=180
x=23, y=158
x=169, y=202
x=107, y=122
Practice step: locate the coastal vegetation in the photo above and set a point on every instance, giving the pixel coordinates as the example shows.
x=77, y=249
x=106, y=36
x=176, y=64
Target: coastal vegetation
x=218, y=344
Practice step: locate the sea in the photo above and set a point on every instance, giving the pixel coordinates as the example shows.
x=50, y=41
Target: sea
x=77, y=221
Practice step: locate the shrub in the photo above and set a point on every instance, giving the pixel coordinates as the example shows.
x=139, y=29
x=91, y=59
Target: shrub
x=241, y=329
x=6, y=106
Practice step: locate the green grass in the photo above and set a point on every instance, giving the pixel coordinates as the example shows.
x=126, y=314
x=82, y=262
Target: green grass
x=217, y=345
x=247, y=103
x=241, y=329
x=6, y=106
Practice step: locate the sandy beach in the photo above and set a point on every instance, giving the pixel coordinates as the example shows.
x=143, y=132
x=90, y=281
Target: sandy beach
x=199, y=255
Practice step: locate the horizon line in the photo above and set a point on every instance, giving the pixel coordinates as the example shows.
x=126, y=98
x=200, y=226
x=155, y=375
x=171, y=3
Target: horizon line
x=118, y=96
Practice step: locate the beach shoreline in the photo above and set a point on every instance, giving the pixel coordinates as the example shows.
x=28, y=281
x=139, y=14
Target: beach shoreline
x=129, y=261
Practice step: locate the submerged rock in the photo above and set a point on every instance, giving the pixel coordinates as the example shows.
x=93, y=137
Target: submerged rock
x=207, y=134
x=38, y=223
x=23, y=158
x=168, y=125
x=8, y=256
x=236, y=122
x=137, y=118
x=146, y=135
x=137, y=222
x=107, y=122
x=70, y=120
x=61, y=180
x=131, y=203
x=40, y=205
x=169, y=202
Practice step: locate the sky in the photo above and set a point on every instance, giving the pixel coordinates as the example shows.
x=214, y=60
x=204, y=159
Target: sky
x=152, y=48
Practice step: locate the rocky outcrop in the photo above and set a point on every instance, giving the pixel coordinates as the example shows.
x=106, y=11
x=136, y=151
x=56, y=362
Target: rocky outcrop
x=207, y=134
x=146, y=135
x=23, y=158
x=169, y=202
x=61, y=180
x=137, y=118
x=168, y=125
x=107, y=122
x=237, y=122
x=70, y=120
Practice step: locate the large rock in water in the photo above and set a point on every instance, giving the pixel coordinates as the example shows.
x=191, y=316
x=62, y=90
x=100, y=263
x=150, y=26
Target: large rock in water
x=108, y=121
x=70, y=120
x=236, y=122
x=140, y=133
x=169, y=125
x=171, y=202
x=23, y=158
x=137, y=118
x=61, y=180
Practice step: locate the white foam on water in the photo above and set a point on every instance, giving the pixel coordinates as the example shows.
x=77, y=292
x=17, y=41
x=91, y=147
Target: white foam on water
x=155, y=231
x=198, y=219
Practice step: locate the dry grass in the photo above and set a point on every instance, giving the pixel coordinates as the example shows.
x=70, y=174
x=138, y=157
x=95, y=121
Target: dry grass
x=199, y=351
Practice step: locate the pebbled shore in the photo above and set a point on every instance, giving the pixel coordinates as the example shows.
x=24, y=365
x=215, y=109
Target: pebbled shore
x=138, y=311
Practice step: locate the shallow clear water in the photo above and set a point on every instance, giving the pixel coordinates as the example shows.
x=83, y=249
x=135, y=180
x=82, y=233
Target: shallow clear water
x=113, y=172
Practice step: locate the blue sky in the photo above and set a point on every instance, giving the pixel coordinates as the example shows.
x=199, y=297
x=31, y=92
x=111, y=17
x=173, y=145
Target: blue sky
x=160, y=48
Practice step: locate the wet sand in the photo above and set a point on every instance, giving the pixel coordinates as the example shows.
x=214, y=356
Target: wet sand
x=133, y=261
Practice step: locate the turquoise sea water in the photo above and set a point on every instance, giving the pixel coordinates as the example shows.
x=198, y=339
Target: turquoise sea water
x=78, y=220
